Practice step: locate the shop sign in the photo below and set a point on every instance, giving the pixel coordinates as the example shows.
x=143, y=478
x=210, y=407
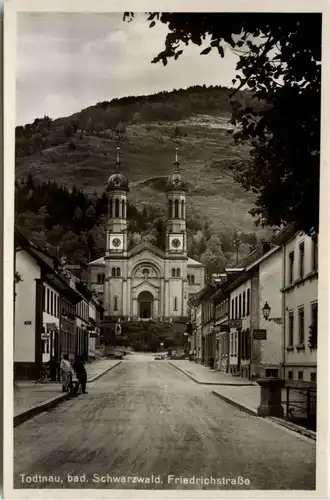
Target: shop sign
x=44, y=336
x=27, y=322
x=260, y=334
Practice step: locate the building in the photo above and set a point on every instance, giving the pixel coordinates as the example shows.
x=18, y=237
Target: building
x=42, y=298
x=300, y=307
x=260, y=319
x=146, y=282
x=95, y=317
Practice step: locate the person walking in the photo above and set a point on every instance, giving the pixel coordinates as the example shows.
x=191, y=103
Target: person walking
x=80, y=370
x=66, y=372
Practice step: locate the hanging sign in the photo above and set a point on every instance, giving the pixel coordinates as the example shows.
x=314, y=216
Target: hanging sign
x=118, y=329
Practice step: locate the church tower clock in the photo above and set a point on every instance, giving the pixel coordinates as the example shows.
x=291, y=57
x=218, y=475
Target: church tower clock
x=176, y=236
x=117, y=189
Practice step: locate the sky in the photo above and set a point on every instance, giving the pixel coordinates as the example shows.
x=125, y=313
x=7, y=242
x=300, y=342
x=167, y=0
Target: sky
x=67, y=62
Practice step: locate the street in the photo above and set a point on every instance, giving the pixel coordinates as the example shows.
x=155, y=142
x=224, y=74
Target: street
x=147, y=421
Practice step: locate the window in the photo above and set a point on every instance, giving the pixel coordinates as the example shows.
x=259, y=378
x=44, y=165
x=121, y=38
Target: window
x=176, y=209
x=240, y=306
x=300, y=375
x=244, y=299
x=123, y=209
x=315, y=252
x=173, y=272
x=291, y=267
x=55, y=302
x=248, y=303
x=110, y=208
x=113, y=271
x=51, y=303
x=58, y=306
x=301, y=315
x=175, y=304
x=188, y=278
x=236, y=307
x=178, y=273
x=170, y=209
x=313, y=377
x=116, y=207
x=115, y=303
x=313, y=327
x=290, y=374
x=192, y=279
x=182, y=209
x=100, y=279
x=302, y=259
x=291, y=327
x=232, y=308
x=118, y=272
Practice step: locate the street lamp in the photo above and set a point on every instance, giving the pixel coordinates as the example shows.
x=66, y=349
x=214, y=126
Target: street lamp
x=266, y=312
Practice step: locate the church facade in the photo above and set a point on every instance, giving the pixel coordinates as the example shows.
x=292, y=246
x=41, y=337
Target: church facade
x=146, y=282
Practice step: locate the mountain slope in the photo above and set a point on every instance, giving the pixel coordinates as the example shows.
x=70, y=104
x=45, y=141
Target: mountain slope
x=81, y=150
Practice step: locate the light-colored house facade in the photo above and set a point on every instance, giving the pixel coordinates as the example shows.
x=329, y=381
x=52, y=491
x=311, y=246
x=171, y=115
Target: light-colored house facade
x=300, y=305
x=50, y=321
x=26, y=354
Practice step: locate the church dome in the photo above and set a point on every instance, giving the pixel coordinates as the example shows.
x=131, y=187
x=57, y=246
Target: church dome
x=117, y=181
x=176, y=183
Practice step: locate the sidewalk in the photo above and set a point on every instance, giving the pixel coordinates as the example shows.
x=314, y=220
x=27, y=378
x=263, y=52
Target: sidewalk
x=31, y=398
x=236, y=391
x=203, y=375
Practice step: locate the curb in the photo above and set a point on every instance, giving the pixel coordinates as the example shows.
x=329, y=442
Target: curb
x=35, y=410
x=246, y=409
x=51, y=403
x=234, y=384
x=272, y=420
x=103, y=373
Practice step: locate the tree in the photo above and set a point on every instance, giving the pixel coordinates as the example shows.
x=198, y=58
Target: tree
x=280, y=66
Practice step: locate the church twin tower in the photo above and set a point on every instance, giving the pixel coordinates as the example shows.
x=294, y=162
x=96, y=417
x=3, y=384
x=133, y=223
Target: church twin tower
x=146, y=281
x=117, y=189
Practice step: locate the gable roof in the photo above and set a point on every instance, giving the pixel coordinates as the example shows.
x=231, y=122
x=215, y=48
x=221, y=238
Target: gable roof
x=193, y=262
x=145, y=245
x=97, y=262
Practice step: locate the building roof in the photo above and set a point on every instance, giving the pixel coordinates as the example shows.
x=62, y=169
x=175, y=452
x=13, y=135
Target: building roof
x=194, y=263
x=98, y=262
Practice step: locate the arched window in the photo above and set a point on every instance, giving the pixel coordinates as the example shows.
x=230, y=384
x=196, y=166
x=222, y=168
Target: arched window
x=182, y=209
x=115, y=303
x=170, y=208
x=118, y=271
x=176, y=209
x=173, y=272
x=188, y=278
x=110, y=208
x=175, y=303
x=178, y=273
x=100, y=279
x=192, y=278
x=123, y=209
x=113, y=271
x=116, y=207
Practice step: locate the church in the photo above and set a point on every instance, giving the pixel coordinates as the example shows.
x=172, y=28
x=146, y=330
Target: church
x=146, y=282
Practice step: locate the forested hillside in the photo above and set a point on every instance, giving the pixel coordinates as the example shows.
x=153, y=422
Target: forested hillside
x=62, y=166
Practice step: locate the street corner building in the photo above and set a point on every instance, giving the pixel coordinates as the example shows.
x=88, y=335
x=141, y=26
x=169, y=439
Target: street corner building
x=146, y=282
x=55, y=312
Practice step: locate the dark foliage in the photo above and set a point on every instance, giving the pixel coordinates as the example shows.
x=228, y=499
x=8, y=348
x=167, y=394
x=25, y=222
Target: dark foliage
x=279, y=63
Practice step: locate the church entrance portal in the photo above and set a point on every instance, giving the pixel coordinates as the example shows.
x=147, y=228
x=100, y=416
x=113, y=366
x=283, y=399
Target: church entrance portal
x=146, y=301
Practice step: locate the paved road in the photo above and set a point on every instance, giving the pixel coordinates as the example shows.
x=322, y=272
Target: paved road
x=146, y=421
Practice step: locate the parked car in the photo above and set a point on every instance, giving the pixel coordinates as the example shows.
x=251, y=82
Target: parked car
x=159, y=357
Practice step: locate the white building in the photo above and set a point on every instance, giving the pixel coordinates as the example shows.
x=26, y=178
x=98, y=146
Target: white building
x=300, y=299
x=145, y=281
